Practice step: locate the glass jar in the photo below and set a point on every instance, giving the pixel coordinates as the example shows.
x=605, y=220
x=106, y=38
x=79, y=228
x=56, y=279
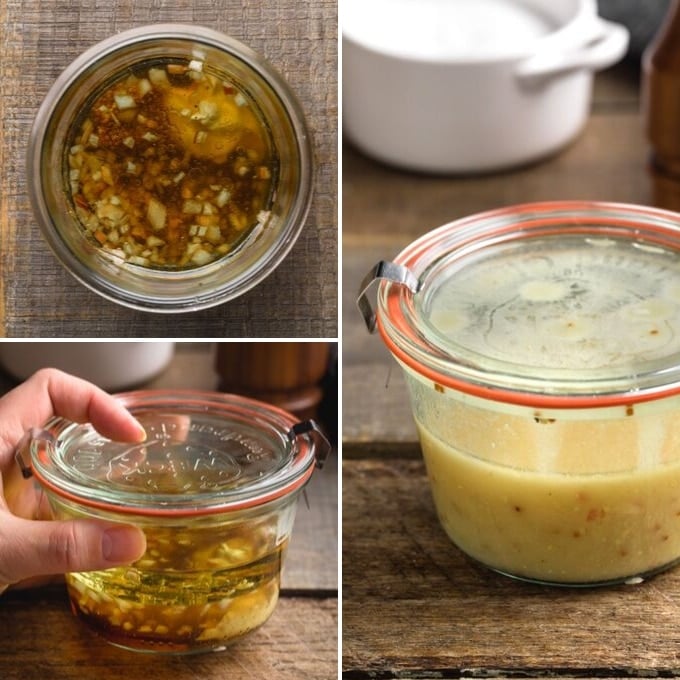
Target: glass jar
x=541, y=348
x=214, y=488
x=123, y=273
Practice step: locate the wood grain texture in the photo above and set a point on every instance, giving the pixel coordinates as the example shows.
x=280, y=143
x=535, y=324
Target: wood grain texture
x=40, y=638
x=414, y=606
x=607, y=162
x=38, y=298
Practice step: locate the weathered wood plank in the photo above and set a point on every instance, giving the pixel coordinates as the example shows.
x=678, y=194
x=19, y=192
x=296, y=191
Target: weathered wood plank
x=608, y=161
x=412, y=602
x=40, y=638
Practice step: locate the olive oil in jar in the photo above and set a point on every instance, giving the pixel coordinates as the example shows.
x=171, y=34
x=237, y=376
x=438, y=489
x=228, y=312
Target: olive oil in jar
x=170, y=166
x=191, y=590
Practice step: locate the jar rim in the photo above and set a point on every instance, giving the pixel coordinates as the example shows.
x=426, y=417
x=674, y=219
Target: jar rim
x=402, y=311
x=233, y=274
x=199, y=464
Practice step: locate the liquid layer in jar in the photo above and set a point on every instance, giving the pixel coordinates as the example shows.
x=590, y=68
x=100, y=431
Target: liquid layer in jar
x=557, y=527
x=192, y=590
x=170, y=166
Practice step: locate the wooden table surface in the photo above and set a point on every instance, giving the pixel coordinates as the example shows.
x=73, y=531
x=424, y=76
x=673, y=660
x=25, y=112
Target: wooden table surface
x=40, y=638
x=413, y=605
x=38, y=298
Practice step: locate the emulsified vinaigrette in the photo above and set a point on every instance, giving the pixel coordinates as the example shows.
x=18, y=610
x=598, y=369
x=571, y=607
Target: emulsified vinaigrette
x=570, y=528
x=541, y=348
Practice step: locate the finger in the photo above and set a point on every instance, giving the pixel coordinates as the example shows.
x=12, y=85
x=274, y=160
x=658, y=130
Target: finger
x=29, y=549
x=50, y=392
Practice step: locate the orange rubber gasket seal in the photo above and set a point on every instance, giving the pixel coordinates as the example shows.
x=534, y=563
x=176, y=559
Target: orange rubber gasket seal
x=194, y=397
x=606, y=225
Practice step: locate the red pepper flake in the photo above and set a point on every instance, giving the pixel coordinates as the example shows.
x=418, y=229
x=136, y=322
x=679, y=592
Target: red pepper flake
x=542, y=420
x=595, y=514
x=81, y=201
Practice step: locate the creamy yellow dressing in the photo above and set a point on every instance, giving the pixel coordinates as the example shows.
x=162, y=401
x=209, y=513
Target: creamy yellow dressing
x=566, y=527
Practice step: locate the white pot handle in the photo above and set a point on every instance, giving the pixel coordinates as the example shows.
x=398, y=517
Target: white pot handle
x=603, y=50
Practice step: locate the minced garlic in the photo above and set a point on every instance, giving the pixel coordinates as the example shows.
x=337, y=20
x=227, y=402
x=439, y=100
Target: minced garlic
x=193, y=588
x=170, y=166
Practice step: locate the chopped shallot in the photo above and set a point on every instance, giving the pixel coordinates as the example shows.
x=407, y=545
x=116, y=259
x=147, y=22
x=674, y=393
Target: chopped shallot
x=156, y=213
x=124, y=101
x=185, y=197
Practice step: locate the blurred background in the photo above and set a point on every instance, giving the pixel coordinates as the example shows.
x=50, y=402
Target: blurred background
x=641, y=18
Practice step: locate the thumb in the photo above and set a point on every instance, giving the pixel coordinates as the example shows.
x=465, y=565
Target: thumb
x=36, y=548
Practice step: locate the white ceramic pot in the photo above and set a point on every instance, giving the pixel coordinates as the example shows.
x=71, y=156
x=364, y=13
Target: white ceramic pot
x=470, y=85
x=110, y=365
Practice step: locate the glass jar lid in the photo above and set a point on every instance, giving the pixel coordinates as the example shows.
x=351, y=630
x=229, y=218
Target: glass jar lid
x=567, y=304
x=204, y=453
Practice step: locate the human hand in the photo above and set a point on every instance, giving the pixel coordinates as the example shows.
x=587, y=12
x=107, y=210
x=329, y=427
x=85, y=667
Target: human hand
x=30, y=544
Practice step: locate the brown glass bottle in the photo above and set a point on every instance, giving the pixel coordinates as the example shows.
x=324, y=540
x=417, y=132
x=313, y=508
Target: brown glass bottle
x=661, y=105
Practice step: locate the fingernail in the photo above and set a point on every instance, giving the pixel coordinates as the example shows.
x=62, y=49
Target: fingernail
x=141, y=432
x=123, y=544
